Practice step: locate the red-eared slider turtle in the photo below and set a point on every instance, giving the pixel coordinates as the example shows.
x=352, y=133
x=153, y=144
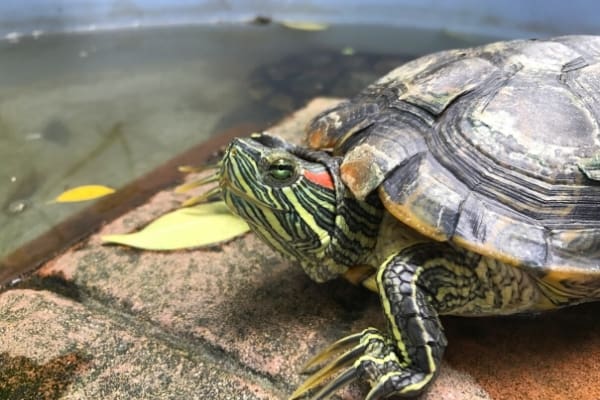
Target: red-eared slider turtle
x=465, y=182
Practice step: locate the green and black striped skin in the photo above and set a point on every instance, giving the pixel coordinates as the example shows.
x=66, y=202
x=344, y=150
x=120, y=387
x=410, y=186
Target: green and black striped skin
x=466, y=182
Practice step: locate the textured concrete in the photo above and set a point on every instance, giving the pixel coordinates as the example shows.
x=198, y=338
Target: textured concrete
x=236, y=322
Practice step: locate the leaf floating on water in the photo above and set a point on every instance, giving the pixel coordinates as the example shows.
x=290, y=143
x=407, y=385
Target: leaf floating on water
x=204, y=225
x=84, y=193
x=304, y=26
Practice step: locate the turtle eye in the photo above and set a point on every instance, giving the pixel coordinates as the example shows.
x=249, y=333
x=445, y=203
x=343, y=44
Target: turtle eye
x=281, y=170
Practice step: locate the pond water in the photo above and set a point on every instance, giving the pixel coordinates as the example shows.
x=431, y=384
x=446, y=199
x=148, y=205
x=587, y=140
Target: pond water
x=106, y=107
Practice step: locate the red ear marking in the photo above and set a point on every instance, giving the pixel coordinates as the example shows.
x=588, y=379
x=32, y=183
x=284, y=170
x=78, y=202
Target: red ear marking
x=320, y=178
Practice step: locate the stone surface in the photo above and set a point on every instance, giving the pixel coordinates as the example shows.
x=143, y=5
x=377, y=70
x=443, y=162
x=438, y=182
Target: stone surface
x=236, y=322
x=54, y=347
x=550, y=356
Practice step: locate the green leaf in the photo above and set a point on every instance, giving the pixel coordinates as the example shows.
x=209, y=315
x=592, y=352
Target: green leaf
x=203, y=225
x=83, y=193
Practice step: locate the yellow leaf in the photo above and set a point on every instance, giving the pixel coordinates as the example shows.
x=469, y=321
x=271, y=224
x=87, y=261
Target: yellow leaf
x=83, y=193
x=204, y=225
x=304, y=26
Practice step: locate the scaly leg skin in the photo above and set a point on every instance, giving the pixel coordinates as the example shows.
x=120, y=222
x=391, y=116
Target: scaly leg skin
x=414, y=286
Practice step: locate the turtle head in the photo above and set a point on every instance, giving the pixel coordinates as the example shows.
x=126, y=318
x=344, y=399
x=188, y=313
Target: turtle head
x=293, y=199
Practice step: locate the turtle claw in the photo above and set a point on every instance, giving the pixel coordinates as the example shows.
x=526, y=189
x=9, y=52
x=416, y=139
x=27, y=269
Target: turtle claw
x=344, y=360
x=329, y=370
x=335, y=347
x=340, y=381
x=368, y=355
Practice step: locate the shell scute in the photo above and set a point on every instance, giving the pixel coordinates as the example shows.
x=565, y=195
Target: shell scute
x=436, y=90
x=378, y=152
x=493, y=231
x=425, y=197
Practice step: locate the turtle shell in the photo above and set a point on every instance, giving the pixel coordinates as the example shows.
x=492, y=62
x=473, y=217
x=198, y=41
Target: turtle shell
x=487, y=148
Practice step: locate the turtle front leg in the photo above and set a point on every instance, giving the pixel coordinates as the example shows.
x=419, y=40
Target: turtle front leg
x=414, y=286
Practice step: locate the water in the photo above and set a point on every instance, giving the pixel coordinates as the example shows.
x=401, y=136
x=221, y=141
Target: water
x=106, y=107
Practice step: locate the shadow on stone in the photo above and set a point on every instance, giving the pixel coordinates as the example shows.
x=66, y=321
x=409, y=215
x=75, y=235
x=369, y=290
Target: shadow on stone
x=288, y=296
x=55, y=283
x=547, y=356
x=22, y=378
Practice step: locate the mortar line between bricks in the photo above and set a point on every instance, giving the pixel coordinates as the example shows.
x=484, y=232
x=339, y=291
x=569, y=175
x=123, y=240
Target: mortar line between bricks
x=195, y=349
